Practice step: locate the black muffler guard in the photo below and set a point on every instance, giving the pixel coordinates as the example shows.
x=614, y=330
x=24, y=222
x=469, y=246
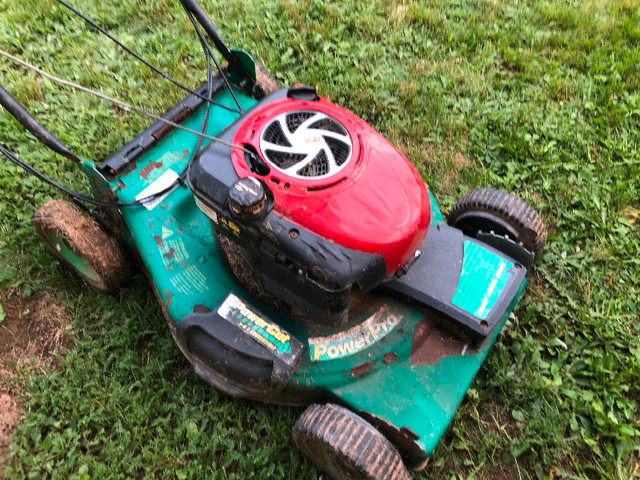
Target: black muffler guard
x=241, y=347
x=434, y=277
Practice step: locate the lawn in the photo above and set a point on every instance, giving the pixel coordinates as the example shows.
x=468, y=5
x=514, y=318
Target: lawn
x=540, y=98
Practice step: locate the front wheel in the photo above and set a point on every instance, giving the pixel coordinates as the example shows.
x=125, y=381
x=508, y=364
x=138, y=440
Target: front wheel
x=345, y=446
x=81, y=244
x=494, y=212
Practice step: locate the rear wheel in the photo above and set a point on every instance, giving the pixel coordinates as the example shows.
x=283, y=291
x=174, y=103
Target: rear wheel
x=345, y=446
x=490, y=211
x=81, y=244
x=265, y=82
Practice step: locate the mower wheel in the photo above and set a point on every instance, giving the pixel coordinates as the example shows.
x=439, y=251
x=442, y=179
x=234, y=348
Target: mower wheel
x=265, y=82
x=487, y=210
x=345, y=446
x=81, y=244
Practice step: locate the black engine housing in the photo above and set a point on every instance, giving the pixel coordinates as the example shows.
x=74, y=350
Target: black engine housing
x=266, y=252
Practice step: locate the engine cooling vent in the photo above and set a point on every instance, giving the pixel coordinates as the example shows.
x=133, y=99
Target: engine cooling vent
x=306, y=144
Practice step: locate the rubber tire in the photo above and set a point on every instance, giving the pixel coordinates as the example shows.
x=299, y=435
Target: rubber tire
x=345, y=446
x=84, y=242
x=488, y=209
x=266, y=83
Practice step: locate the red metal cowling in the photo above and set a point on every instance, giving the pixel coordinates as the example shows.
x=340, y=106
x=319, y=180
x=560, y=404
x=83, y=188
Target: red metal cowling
x=376, y=202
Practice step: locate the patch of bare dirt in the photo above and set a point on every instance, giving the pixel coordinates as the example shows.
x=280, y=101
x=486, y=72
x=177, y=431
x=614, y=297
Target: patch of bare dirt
x=31, y=332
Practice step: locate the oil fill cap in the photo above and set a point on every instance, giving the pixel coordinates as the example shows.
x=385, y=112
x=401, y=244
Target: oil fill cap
x=247, y=197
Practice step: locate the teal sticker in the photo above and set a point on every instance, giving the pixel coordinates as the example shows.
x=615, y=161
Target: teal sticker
x=483, y=277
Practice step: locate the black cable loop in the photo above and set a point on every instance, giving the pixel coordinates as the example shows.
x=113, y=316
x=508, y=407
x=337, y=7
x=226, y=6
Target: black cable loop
x=79, y=197
x=138, y=57
x=209, y=55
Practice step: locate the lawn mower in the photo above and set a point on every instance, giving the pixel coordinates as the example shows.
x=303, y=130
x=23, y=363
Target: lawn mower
x=299, y=258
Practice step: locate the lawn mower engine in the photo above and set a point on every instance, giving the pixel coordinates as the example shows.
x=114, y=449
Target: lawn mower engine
x=315, y=206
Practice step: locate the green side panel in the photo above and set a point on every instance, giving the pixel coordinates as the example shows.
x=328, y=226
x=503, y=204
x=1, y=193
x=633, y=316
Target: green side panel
x=174, y=240
x=385, y=326
x=436, y=214
x=483, y=277
x=407, y=392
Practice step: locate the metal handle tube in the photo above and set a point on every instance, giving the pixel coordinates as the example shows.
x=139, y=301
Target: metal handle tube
x=25, y=119
x=198, y=12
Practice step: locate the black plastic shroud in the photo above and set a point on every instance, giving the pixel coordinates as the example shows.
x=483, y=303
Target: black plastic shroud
x=306, y=271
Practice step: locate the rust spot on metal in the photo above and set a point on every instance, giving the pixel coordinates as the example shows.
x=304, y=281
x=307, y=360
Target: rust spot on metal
x=170, y=253
x=431, y=343
x=200, y=309
x=410, y=433
x=389, y=357
x=180, y=230
x=169, y=295
x=144, y=173
x=128, y=168
x=185, y=152
x=362, y=369
x=158, y=240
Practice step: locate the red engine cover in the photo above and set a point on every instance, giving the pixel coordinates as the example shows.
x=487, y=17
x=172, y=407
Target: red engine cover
x=334, y=175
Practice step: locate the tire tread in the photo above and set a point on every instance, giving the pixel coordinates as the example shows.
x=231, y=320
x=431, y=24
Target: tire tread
x=351, y=440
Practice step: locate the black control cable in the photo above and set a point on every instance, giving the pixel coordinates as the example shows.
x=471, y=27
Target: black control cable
x=209, y=55
x=49, y=139
x=165, y=75
x=76, y=195
x=101, y=202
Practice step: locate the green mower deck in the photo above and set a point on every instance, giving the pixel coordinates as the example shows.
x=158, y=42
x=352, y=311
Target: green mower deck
x=393, y=364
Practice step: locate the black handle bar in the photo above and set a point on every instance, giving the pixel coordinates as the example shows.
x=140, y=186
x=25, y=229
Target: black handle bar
x=203, y=19
x=21, y=114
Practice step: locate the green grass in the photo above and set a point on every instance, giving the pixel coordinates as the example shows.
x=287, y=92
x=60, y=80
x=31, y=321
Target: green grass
x=536, y=97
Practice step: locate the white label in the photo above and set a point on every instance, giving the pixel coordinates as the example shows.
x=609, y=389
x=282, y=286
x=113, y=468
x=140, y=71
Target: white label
x=163, y=182
x=208, y=211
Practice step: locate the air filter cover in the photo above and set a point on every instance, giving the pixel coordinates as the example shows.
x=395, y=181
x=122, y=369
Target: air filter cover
x=306, y=144
x=334, y=175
